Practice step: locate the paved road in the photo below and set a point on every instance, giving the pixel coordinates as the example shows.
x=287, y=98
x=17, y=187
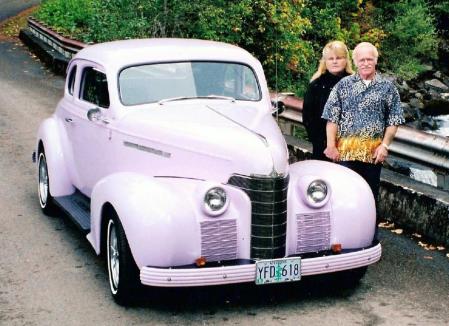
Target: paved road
x=49, y=275
x=9, y=8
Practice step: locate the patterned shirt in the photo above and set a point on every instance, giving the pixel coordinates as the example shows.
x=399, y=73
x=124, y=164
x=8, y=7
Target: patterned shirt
x=362, y=113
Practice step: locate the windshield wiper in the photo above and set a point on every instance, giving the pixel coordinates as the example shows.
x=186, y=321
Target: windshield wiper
x=182, y=98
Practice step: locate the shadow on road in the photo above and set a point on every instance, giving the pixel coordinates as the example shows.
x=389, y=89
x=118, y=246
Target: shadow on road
x=247, y=295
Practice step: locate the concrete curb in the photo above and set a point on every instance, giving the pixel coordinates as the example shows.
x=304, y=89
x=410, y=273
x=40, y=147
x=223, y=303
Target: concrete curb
x=411, y=205
x=415, y=206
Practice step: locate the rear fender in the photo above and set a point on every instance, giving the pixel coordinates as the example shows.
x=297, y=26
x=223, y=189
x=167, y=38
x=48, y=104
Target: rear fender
x=52, y=135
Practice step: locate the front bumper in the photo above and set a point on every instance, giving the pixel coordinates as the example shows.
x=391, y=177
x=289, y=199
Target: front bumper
x=172, y=277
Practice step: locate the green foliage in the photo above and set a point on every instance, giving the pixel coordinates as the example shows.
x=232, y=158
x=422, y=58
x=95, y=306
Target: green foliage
x=68, y=16
x=411, y=40
x=272, y=30
x=287, y=36
x=440, y=9
x=300, y=132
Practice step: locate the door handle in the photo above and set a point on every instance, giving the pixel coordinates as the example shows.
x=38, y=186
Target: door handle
x=68, y=120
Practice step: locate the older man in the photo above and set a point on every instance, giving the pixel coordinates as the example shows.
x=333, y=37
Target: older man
x=363, y=113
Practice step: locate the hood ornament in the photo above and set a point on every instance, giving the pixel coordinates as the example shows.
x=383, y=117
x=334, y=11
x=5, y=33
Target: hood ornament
x=275, y=174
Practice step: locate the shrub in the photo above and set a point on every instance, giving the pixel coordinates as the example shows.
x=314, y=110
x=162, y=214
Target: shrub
x=68, y=16
x=411, y=40
x=440, y=10
x=272, y=31
x=287, y=36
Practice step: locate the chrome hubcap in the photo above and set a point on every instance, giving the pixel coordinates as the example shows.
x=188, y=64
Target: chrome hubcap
x=113, y=255
x=43, y=180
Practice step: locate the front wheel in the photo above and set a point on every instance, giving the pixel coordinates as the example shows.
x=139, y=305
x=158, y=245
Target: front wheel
x=45, y=199
x=122, y=269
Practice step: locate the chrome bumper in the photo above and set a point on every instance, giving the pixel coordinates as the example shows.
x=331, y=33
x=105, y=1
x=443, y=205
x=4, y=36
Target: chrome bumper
x=166, y=277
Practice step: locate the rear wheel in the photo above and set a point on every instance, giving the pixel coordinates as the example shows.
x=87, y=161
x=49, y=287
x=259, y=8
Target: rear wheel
x=123, y=272
x=45, y=199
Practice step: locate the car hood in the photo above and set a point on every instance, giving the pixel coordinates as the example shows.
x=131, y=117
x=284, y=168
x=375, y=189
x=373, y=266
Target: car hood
x=207, y=141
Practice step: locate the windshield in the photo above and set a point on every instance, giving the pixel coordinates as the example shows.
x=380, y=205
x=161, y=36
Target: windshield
x=156, y=82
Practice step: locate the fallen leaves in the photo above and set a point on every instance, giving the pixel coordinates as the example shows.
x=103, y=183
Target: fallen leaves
x=432, y=247
x=10, y=27
x=390, y=226
x=426, y=246
x=386, y=225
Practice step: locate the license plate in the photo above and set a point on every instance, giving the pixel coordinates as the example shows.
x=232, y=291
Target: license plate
x=278, y=270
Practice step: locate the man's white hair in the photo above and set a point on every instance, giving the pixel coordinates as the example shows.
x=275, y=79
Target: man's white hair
x=366, y=45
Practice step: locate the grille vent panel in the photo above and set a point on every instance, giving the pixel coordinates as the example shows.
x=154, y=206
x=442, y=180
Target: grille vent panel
x=314, y=232
x=219, y=240
x=268, y=213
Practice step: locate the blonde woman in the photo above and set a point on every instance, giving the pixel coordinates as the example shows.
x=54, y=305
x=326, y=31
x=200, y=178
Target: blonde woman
x=335, y=64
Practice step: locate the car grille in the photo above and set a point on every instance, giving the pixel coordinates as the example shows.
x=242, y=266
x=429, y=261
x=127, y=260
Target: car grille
x=219, y=240
x=268, y=214
x=314, y=232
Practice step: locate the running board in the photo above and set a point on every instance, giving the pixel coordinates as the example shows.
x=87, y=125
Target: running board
x=77, y=207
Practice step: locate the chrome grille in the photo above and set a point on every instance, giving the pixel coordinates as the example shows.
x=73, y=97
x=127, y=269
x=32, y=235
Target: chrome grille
x=268, y=213
x=314, y=232
x=219, y=240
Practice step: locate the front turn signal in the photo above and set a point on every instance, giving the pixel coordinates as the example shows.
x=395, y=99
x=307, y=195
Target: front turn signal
x=336, y=248
x=200, y=262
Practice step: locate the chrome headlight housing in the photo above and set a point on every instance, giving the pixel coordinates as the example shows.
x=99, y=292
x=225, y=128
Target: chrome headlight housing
x=317, y=192
x=215, y=201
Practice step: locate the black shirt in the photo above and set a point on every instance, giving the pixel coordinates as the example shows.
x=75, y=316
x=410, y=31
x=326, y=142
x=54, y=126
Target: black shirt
x=314, y=101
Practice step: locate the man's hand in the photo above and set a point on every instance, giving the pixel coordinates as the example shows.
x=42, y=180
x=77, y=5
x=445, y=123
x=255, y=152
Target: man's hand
x=380, y=154
x=332, y=153
x=331, y=150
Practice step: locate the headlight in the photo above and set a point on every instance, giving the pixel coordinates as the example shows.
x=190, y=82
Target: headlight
x=317, y=191
x=215, y=201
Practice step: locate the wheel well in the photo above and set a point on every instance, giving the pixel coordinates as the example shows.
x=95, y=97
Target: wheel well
x=107, y=209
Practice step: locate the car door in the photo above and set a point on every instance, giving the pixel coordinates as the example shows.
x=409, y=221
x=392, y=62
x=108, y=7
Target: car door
x=90, y=139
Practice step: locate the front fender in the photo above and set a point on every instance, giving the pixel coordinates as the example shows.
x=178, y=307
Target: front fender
x=350, y=204
x=51, y=134
x=162, y=216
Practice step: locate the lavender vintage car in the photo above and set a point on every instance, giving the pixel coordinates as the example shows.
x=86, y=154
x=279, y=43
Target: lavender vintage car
x=166, y=154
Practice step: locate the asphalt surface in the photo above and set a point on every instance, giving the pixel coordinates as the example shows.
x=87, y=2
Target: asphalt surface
x=49, y=274
x=9, y=8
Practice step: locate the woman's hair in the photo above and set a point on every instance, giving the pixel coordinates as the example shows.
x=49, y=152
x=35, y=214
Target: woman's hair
x=340, y=49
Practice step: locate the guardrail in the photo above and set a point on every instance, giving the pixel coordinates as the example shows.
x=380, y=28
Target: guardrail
x=63, y=45
x=410, y=144
x=431, y=151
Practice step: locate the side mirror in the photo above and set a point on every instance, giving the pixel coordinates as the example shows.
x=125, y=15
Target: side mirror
x=94, y=114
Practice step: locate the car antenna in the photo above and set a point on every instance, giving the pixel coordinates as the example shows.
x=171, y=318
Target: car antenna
x=276, y=67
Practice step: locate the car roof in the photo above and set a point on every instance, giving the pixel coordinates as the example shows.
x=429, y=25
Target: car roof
x=118, y=54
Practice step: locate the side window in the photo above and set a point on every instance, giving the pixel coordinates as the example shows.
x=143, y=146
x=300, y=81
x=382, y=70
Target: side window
x=71, y=83
x=94, y=87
